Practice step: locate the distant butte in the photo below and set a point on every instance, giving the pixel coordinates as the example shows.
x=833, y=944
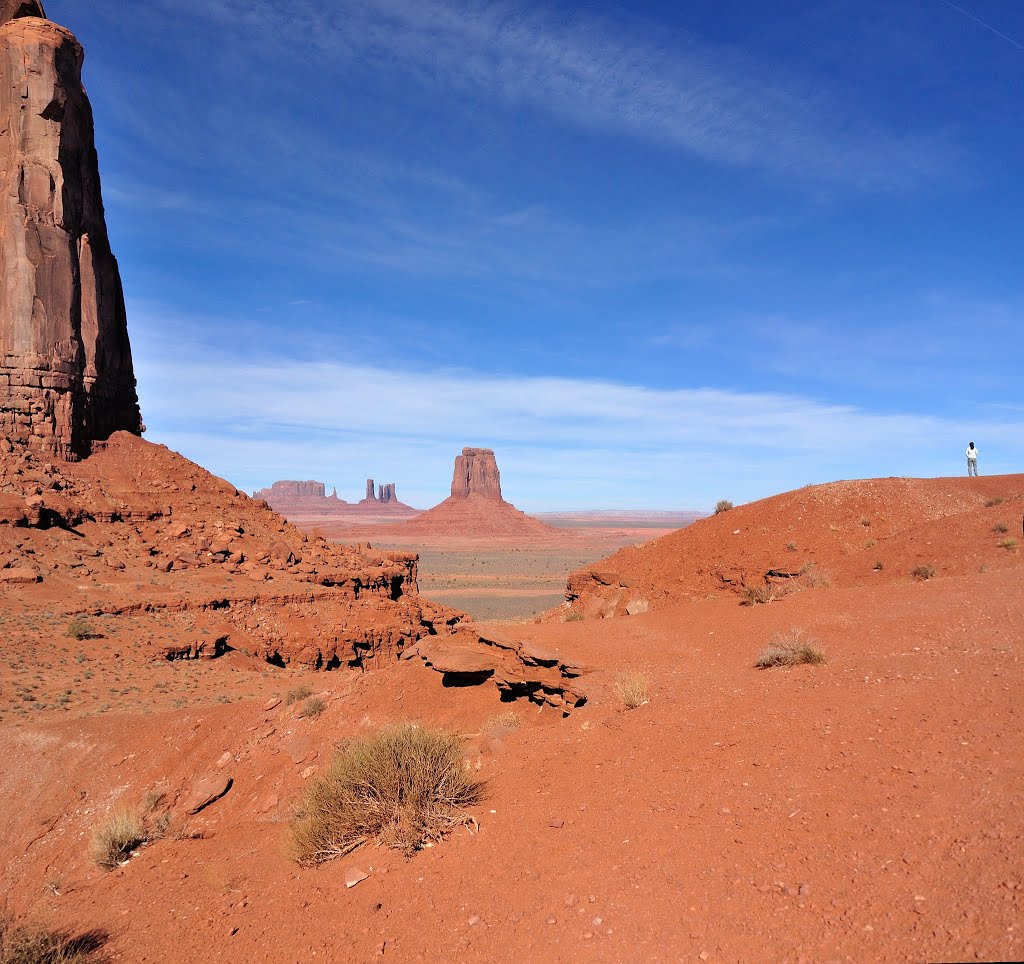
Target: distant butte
x=475, y=507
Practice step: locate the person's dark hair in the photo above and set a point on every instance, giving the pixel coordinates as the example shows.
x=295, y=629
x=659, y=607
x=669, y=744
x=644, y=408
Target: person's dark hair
x=970, y=445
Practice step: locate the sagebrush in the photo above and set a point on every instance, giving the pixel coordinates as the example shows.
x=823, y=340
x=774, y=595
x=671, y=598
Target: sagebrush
x=113, y=840
x=723, y=505
x=404, y=787
x=791, y=649
x=22, y=943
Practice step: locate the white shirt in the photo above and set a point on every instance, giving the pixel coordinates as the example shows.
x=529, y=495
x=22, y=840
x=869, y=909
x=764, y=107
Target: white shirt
x=972, y=453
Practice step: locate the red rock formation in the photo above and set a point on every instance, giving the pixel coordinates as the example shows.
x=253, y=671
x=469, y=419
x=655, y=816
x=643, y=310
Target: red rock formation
x=383, y=494
x=476, y=473
x=289, y=489
x=13, y=9
x=66, y=376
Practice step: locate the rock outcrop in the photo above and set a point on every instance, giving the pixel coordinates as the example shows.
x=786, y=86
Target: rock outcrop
x=66, y=375
x=382, y=494
x=288, y=489
x=476, y=473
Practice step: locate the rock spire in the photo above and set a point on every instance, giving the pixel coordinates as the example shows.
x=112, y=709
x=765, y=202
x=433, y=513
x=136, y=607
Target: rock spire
x=66, y=374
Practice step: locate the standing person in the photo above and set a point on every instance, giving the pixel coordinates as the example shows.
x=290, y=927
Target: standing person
x=972, y=460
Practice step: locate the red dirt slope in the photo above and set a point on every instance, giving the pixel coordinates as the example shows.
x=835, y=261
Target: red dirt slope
x=842, y=530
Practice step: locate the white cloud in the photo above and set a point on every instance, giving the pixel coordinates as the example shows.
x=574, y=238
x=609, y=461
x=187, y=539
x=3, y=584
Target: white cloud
x=561, y=441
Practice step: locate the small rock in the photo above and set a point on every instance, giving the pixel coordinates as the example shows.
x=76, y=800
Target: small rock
x=557, y=824
x=271, y=703
x=551, y=920
x=473, y=921
x=206, y=791
x=225, y=759
x=353, y=876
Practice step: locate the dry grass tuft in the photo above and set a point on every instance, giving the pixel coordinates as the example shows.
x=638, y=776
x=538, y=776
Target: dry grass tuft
x=312, y=708
x=1000, y=528
x=35, y=944
x=759, y=594
x=922, y=573
x=116, y=837
x=790, y=650
x=297, y=694
x=403, y=787
x=633, y=688
x=573, y=618
x=1008, y=544
x=723, y=505
x=997, y=500
x=815, y=577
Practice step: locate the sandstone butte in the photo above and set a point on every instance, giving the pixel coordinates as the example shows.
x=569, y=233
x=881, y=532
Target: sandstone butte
x=475, y=507
x=66, y=376
x=157, y=625
x=307, y=503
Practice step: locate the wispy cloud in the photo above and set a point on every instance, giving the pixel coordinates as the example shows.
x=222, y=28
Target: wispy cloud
x=258, y=419
x=682, y=92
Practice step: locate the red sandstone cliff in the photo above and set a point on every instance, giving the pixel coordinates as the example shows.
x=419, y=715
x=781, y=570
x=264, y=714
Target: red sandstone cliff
x=66, y=376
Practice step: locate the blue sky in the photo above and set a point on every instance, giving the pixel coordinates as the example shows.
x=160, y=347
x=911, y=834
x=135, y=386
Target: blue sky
x=654, y=254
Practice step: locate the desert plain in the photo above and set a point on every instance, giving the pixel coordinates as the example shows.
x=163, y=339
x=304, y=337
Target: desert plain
x=788, y=731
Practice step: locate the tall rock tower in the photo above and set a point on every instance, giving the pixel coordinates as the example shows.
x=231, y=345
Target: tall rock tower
x=476, y=474
x=66, y=376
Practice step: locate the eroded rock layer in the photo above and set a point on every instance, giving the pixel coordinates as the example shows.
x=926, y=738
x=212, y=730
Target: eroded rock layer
x=476, y=473
x=66, y=375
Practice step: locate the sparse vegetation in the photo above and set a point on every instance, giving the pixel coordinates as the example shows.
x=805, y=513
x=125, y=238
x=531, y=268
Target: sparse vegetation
x=814, y=576
x=115, y=838
x=504, y=721
x=633, y=688
x=922, y=573
x=791, y=546
x=312, y=708
x=865, y=521
x=879, y=566
x=297, y=694
x=1008, y=544
x=573, y=618
x=723, y=505
x=403, y=787
x=79, y=628
x=759, y=594
x=1000, y=528
x=35, y=944
x=790, y=650
x=993, y=502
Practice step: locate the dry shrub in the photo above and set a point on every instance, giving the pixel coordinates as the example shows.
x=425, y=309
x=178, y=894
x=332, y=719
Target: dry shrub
x=114, y=839
x=815, y=577
x=759, y=593
x=404, y=786
x=996, y=500
x=1000, y=528
x=573, y=618
x=633, y=689
x=922, y=573
x=35, y=944
x=790, y=650
x=79, y=628
x=299, y=693
x=723, y=505
x=1008, y=544
x=312, y=708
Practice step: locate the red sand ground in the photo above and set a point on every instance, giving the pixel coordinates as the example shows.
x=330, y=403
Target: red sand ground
x=863, y=810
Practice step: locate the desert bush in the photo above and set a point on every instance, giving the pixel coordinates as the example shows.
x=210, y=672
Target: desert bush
x=1000, y=528
x=790, y=650
x=633, y=689
x=758, y=594
x=865, y=521
x=35, y=944
x=114, y=839
x=993, y=502
x=814, y=576
x=879, y=566
x=402, y=787
x=79, y=628
x=1008, y=544
x=299, y=693
x=791, y=546
x=723, y=505
x=922, y=572
x=573, y=618
x=312, y=708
